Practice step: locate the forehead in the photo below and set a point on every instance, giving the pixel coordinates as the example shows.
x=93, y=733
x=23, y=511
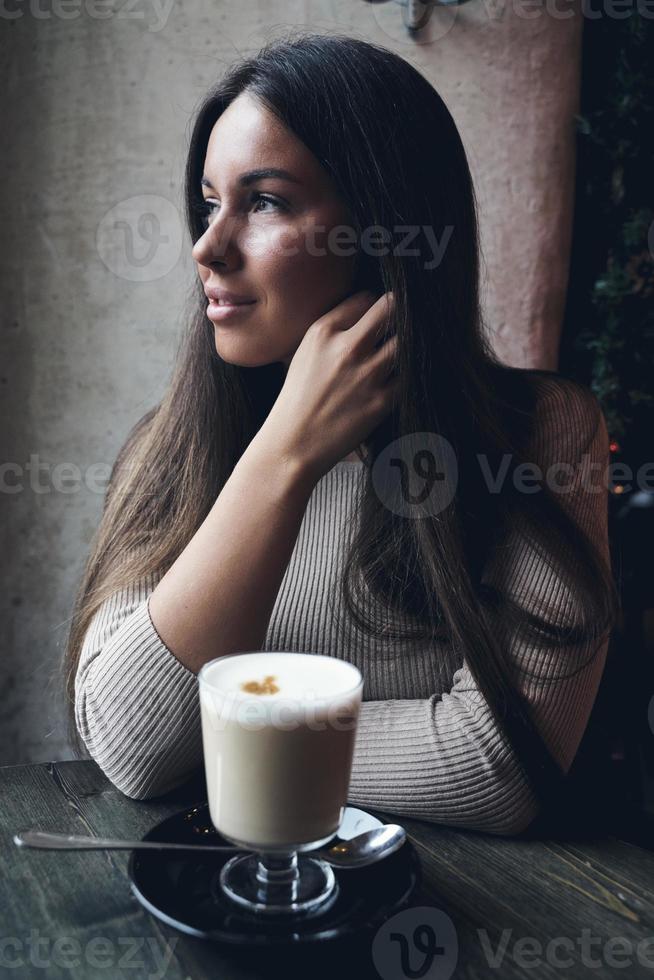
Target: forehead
x=247, y=136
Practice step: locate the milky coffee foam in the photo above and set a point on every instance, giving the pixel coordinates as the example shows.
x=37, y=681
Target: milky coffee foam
x=278, y=732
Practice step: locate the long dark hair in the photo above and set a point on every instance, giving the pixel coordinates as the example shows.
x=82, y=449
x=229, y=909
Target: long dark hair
x=391, y=147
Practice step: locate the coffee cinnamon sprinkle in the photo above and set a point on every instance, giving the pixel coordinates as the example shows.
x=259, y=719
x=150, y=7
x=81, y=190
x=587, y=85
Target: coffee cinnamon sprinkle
x=267, y=686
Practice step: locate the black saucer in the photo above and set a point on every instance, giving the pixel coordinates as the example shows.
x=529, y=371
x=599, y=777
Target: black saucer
x=182, y=890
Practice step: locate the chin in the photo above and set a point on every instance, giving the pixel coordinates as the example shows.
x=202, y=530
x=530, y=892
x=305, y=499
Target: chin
x=243, y=357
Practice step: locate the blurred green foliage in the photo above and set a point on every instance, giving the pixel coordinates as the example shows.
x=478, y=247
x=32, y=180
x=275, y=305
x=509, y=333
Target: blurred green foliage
x=608, y=330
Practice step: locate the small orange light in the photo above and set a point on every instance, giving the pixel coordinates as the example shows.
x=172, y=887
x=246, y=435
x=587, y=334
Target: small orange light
x=618, y=489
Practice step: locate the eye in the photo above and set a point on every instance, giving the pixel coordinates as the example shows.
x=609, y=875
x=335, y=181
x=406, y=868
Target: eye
x=269, y=200
x=206, y=208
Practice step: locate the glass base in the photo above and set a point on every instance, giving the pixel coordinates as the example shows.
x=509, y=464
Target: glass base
x=281, y=884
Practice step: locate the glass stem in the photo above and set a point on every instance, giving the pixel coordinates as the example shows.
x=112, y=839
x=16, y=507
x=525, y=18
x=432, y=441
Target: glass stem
x=277, y=877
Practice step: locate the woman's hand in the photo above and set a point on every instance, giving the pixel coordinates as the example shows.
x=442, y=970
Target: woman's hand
x=337, y=387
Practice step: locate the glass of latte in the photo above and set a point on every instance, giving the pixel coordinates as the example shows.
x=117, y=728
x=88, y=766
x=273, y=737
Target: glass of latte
x=278, y=733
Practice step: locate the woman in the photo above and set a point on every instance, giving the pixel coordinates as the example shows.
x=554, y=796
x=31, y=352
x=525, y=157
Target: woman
x=244, y=510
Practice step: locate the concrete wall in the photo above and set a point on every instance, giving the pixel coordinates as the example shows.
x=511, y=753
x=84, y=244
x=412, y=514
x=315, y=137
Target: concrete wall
x=95, y=111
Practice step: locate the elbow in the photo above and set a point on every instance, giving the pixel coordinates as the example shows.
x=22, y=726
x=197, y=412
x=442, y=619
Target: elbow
x=507, y=823
x=514, y=822
x=137, y=782
x=503, y=807
x=515, y=807
x=141, y=777
x=141, y=765
x=148, y=789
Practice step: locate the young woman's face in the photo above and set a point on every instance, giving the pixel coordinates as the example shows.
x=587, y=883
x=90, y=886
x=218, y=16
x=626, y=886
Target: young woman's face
x=267, y=240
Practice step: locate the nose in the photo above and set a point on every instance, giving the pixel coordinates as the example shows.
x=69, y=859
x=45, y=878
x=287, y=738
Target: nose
x=218, y=243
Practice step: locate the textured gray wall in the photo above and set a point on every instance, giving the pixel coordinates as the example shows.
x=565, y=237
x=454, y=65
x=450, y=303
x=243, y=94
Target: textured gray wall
x=95, y=114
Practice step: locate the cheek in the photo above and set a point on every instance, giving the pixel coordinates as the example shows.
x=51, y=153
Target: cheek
x=300, y=272
x=321, y=243
x=301, y=247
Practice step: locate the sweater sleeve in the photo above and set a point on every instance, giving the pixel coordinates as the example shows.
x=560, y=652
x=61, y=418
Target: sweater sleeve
x=443, y=759
x=136, y=705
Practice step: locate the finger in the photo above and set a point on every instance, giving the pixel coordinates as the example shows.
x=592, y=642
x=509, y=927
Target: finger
x=374, y=324
x=384, y=358
x=349, y=310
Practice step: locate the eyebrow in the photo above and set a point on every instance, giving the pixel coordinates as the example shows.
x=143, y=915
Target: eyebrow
x=252, y=176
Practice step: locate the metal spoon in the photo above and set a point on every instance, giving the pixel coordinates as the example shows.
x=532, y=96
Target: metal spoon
x=357, y=852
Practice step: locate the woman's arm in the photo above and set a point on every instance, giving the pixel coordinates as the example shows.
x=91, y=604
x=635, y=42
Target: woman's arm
x=203, y=607
x=136, y=701
x=136, y=705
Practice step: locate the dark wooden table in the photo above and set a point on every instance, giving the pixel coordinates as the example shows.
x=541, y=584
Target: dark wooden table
x=547, y=907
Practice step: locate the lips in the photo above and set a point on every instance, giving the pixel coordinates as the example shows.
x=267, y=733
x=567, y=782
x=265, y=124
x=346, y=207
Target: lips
x=227, y=312
x=222, y=302
x=224, y=297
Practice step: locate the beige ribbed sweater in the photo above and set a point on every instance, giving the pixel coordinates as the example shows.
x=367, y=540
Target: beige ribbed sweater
x=423, y=749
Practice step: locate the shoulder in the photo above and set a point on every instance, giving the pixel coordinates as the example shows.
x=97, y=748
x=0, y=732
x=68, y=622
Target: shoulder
x=568, y=420
x=564, y=398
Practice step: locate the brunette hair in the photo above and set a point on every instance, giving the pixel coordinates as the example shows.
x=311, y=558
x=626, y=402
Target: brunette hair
x=388, y=141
